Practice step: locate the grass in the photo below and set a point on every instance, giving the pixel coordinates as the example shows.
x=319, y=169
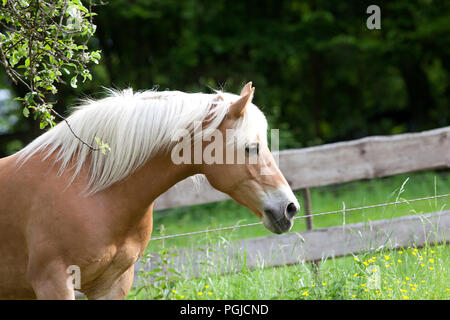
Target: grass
x=410, y=273
x=355, y=194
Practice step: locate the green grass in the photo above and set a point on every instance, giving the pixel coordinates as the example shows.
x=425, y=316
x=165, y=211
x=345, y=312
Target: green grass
x=411, y=273
x=404, y=274
x=355, y=194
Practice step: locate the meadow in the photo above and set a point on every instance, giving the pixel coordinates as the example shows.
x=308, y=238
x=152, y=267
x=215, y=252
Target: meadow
x=409, y=273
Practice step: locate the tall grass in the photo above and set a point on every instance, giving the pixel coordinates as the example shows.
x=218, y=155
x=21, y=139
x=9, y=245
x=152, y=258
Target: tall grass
x=410, y=273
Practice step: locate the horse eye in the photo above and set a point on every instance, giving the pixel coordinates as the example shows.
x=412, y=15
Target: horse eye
x=252, y=148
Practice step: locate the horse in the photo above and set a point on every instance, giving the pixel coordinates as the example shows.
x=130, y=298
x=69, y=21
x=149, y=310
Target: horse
x=64, y=204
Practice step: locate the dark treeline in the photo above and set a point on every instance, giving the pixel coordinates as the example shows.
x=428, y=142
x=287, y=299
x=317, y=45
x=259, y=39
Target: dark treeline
x=320, y=74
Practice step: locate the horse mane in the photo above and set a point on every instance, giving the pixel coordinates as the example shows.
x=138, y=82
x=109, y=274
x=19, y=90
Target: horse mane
x=136, y=126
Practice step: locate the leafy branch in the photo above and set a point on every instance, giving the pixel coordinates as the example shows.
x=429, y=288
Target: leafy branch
x=39, y=41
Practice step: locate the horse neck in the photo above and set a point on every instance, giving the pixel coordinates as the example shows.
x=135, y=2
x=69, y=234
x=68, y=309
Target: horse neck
x=155, y=177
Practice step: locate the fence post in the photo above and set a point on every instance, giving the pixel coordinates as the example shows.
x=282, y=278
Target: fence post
x=306, y=195
x=307, y=205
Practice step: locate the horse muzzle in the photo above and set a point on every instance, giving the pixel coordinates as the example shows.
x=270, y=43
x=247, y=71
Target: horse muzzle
x=280, y=218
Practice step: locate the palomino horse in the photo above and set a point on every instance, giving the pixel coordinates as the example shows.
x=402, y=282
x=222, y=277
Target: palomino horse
x=63, y=204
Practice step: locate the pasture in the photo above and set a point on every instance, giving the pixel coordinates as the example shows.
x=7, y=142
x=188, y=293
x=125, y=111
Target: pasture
x=411, y=273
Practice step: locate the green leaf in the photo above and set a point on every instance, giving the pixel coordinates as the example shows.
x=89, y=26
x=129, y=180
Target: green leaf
x=73, y=82
x=4, y=2
x=26, y=112
x=43, y=124
x=13, y=59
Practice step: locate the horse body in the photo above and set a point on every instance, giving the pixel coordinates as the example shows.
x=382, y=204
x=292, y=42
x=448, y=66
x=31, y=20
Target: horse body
x=104, y=234
x=49, y=223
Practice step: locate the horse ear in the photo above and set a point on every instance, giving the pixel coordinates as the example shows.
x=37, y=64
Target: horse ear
x=246, y=89
x=237, y=109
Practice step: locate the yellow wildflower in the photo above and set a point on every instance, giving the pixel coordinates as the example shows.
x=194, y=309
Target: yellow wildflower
x=305, y=293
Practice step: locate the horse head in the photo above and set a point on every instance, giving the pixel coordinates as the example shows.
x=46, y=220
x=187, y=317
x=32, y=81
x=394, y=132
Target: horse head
x=249, y=173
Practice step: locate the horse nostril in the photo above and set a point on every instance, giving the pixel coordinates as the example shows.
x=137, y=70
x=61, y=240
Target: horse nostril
x=291, y=210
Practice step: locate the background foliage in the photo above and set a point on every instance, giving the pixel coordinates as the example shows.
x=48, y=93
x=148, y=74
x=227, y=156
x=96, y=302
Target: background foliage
x=320, y=74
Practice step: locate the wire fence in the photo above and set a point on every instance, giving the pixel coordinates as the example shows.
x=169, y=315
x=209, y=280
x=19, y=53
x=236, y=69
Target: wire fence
x=302, y=217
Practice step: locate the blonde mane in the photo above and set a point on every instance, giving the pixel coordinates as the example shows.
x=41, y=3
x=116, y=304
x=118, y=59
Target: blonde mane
x=136, y=126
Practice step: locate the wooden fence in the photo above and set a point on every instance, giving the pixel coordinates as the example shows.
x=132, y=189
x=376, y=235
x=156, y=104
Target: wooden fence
x=311, y=245
x=335, y=163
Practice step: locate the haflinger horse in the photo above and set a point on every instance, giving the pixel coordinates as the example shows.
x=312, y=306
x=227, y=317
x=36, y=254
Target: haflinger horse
x=64, y=204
